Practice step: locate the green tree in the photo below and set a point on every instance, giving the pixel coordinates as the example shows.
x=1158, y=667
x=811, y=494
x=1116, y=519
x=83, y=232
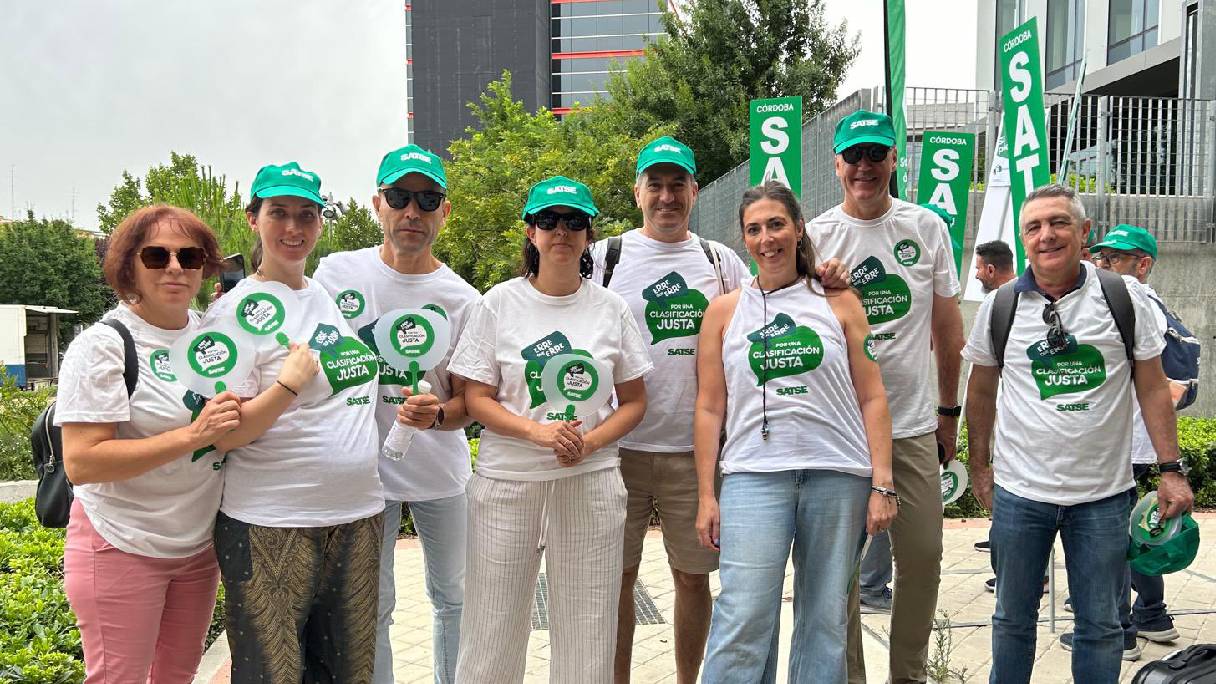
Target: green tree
x=46, y=261
x=356, y=228
x=493, y=166
x=703, y=73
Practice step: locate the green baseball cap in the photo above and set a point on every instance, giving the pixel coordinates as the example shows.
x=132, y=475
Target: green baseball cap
x=945, y=215
x=559, y=191
x=1126, y=238
x=863, y=126
x=1172, y=554
x=411, y=159
x=288, y=179
x=666, y=150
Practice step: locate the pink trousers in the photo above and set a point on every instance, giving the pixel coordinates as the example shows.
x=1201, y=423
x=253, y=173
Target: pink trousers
x=142, y=620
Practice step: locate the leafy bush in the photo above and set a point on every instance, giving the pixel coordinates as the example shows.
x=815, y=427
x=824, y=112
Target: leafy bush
x=18, y=409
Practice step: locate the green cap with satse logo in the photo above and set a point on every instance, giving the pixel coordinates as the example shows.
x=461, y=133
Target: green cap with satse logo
x=559, y=191
x=667, y=150
x=863, y=126
x=1126, y=238
x=288, y=179
x=411, y=159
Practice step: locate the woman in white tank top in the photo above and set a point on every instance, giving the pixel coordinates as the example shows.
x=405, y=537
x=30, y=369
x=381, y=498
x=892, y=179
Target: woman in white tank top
x=807, y=457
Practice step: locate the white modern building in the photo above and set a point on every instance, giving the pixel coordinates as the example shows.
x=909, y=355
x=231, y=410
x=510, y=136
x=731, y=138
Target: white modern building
x=1163, y=48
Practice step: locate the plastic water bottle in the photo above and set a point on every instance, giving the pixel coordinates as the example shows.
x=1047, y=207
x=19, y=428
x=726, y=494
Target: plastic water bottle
x=401, y=435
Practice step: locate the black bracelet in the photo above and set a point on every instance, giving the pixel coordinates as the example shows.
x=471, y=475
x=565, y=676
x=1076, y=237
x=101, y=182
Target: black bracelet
x=1175, y=466
x=889, y=493
x=284, y=386
x=950, y=411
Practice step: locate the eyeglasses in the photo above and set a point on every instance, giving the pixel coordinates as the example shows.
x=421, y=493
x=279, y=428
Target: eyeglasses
x=1056, y=337
x=399, y=198
x=548, y=220
x=156, y=258
x=1113, y=258
x=875, y=153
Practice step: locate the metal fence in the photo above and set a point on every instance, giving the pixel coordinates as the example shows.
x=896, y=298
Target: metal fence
x=1148, y=161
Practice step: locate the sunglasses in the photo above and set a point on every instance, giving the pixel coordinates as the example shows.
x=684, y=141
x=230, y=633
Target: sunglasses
x=548, y=220
x=874, y=153
x=1056, y=337
x=189, y=258
x=399, y=198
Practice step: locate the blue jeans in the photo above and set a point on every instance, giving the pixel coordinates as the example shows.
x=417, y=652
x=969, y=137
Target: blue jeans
x=1095, y=554
x=442, y=528
x=822, y=515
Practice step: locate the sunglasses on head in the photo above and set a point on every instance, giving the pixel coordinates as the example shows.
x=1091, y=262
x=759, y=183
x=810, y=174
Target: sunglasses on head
x=548, y=220
x=874, y=153
x=189, y=258
x=400, y=198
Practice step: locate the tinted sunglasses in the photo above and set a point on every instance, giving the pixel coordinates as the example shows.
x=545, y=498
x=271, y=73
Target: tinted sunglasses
x=548, y=220
x=874, y=153
x=399, y=198
x=189, y=258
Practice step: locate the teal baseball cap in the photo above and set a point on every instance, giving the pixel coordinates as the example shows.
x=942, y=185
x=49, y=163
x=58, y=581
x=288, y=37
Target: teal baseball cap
x=863, y=126
x=411, y=159
x=667, y=150
x=559, y=191
x=1126, y=238
x=288, y=179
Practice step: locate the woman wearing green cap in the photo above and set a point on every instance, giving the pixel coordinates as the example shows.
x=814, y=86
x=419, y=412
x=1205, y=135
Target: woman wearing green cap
x=787, y=365
x=298, y=534
x=545, y=482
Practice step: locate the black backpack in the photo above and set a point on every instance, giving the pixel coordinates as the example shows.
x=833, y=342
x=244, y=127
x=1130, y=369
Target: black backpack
x=1180, y=358
x=612, y=256
x=1005, y=307
x=53, y=502
x=1191, y=665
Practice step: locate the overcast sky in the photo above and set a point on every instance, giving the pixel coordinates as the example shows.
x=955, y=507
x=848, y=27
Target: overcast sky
x=89, y=89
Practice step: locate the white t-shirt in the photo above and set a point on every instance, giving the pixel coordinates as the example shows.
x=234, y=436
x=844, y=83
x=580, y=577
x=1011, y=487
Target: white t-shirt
x=365, y=288
x=169, y=511
x=1063, y=416
x=668, y=286
x=514, y=329
x=316, y=465
x=1142, y=446
x=898, y=262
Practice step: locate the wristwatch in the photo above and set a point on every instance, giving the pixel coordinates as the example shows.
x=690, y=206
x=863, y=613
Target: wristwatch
x=1179, y=466
x=438, y=419
x=950, y=411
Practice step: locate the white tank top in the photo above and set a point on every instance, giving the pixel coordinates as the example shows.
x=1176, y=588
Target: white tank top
x=814, y=419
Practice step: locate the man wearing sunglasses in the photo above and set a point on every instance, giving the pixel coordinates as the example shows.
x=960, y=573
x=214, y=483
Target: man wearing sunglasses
x=903, y=267
x=411, y=205
x=1062, y=419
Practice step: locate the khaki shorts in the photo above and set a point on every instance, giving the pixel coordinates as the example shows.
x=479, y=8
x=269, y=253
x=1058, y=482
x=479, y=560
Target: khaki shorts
x=666, y=482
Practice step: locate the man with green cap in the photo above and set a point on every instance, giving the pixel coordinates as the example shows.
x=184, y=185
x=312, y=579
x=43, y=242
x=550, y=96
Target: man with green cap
x=411, y=204
x=1131, y=251
x=903, y=267
x=667, y=275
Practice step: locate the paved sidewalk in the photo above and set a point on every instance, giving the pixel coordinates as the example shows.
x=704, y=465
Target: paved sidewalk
x=1191, y=596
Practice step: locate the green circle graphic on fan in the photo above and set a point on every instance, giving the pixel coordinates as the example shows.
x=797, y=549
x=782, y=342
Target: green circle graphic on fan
x=673, y=309
x=954, y=481
x=413, y=340
x=209, y=360
x=267, y=311
x=537, y=355
x=1067, y=368
x=884, y=296
x=783, y=348
x=575, y=385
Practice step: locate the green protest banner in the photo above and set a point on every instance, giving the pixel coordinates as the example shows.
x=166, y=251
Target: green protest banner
x=1025, y=124
x=893, y=22
x=776, y=142
x=946, y=163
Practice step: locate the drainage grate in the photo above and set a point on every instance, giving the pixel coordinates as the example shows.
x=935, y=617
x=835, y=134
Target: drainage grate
x=644, y=609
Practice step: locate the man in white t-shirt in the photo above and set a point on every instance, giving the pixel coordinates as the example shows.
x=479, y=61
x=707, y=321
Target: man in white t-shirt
x=1061, y=429
x=411, y=205
x=667, y=275
x=904, y=269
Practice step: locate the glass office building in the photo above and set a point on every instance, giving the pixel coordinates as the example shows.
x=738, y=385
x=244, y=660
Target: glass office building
x=590, y=39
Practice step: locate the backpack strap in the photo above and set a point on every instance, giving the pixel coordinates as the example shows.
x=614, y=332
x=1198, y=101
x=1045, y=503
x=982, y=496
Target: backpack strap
x=712, y=255
x=1000, y=321
x=612, y=256
x=130, y=371
x=1119, y=300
